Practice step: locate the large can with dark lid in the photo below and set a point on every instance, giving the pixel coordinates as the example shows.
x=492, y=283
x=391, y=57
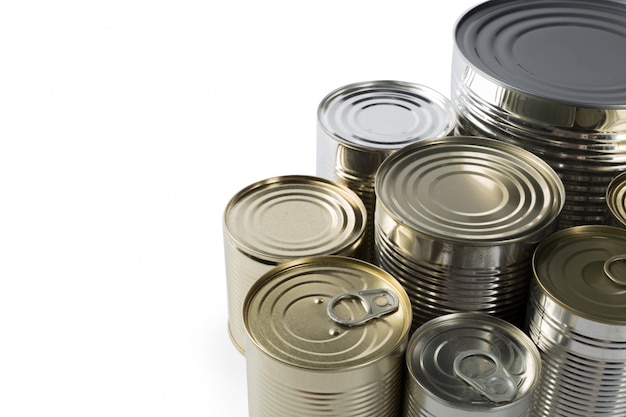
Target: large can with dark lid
x=283, y=218
x=326, y=336
x=470, y=364
x=577, y=319
x=360, y=124
x=548, y=76
x=457, y=220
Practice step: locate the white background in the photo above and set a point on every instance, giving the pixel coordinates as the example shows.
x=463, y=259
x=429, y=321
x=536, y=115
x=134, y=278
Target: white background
x=125, y=128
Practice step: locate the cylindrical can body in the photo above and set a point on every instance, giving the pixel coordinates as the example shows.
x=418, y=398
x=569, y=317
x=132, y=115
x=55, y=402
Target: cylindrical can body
x=616, y=201
x=470, y=364
x=577, y=319
x=457, y=220
x=326, y=336
x=280, y=219
x=545, y=76
x=360, y=124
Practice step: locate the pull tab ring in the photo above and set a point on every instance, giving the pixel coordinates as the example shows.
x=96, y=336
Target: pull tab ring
x=497, y=386
x=611, y=271
x=377, y=303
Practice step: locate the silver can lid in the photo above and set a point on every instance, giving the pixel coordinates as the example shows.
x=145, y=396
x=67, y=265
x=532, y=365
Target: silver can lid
x=327, y=313
x=286, y=217
x=583, y=269
x=569, y=51
x=385, y=115
x=469, y=189
x=473, y=360
x=616, y=198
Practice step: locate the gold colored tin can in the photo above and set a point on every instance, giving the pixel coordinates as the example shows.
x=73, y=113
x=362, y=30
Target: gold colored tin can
x=283, y=218
x=326, y=336
x=616, y=201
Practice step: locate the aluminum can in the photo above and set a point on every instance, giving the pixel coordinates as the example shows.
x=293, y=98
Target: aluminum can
x=360, y=124
x=326, y=336
x=470, y=364
x=283, y=218
x=546, y=76
x=577, y=319
x=616, y=201
x=457, y=220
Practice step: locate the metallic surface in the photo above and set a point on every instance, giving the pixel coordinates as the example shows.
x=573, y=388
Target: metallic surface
x=546, y=76
x=284, y=218
x=470, y=364
x=300, y=361
x=616, y=201
x=360, y=124
x=577, y=319
x=457, y=220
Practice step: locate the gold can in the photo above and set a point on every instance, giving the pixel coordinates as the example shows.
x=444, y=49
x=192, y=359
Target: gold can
x=283, y=218
x=326, y=336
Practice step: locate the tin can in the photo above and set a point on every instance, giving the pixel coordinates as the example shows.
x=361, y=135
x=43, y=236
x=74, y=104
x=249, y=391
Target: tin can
x=360, y=124
x=545, y=76
x=616, y=201
x=457, y=220
x=577, y=319
x=326, y=336
x=280, y=219
x=470, y=364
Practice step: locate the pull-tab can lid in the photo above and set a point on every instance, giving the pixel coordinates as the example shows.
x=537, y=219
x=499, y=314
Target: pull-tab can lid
x=327, y=313
x=473, y=361
x=583, y=269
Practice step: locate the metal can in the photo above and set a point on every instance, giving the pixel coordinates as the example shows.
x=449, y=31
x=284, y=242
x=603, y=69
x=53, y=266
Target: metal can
x=326, y=336
x=280, y=219
x=545, y=76
x=616, y=201
x=360, y=124
x=457, y=220
x=470, y=364
x=577, y=319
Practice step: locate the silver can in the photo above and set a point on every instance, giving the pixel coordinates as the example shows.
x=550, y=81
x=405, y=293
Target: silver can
x=283, y=218
x=326, y=336
x=457, y=220
x=360, y=124
x=616, y=201
x=545, y=76
x=577, y=319
x=470, y=364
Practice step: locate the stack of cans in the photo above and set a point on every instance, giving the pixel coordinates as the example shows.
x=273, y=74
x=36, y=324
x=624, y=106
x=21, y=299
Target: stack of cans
x=457, y=220
x=549, y=77
x=577, y=319
x=360, y=124
x=282, y=218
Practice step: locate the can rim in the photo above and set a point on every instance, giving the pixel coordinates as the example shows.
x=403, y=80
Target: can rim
x=351, y=197
x=443, y=102
x=402, y=339
x=588, y=230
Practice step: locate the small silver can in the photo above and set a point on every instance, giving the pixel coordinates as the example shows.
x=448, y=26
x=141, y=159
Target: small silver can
x=360, y=124
x=325, y=337
x=616, y=201
x=470, y=364
x=283, y=218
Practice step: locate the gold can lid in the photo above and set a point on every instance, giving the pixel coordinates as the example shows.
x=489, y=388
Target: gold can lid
x=294, y=216
x=327, y=313
x=583, y=269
